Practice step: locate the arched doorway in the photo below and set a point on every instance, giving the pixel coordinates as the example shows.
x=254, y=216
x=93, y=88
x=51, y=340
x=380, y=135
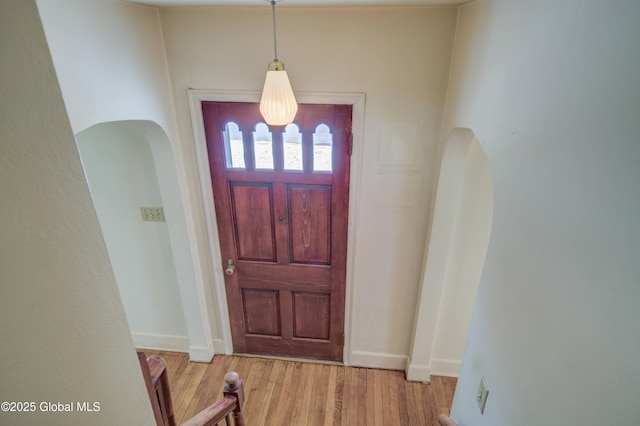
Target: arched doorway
x=131, y=164
x=460, y=232
x=119, y=166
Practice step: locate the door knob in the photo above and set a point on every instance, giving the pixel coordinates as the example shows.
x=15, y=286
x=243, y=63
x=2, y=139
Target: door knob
x=230, y=268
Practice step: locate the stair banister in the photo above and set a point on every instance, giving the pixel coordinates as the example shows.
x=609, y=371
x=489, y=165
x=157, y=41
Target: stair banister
x=230, y=405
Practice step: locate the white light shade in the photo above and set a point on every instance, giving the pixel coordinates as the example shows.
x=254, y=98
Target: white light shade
x=278, y=105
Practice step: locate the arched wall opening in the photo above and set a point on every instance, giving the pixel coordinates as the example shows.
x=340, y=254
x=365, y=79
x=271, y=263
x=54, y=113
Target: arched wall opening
x=460, y=233
x=129, y=165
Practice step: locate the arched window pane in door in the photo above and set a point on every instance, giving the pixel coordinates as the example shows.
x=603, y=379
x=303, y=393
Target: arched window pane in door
x=322, y=147
x=292, y=148
x=233, y=146
x=263, y=147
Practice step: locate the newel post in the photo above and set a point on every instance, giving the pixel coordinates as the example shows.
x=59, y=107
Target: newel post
x=234, y=389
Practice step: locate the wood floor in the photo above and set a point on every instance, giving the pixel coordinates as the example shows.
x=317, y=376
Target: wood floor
x=280, y=392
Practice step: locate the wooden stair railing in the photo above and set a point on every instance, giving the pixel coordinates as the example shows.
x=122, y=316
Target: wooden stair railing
x=229, y=406
x=154, y=371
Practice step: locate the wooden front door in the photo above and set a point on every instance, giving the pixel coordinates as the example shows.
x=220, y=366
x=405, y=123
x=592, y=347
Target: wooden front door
x=281, y=196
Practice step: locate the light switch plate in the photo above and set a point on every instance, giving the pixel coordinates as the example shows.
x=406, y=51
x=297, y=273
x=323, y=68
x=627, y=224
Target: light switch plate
x=483, y=393
x=152, y=214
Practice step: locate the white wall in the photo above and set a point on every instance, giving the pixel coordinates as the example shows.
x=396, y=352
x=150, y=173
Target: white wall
x=552, y=91
x=398, y=57
x=110, y=61
x=62, y=325
x=119, y=166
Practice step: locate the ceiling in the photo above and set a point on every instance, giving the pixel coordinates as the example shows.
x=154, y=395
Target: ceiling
x=298, y=3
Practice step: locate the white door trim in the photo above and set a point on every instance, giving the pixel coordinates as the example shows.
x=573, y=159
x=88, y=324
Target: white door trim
x=357, y=100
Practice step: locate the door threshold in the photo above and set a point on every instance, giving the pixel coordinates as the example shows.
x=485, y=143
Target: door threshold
x=292, y=359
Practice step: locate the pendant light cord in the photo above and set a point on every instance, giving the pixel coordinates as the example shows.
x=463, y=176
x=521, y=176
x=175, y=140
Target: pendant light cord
x=273, y=15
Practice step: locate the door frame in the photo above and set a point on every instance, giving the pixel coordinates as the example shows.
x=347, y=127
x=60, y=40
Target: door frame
x=357, y=100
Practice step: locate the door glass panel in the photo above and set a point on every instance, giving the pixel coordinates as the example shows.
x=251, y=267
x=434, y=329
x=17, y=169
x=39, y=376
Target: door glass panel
x=292, y=148
x=322, y=147
x=233, y=146
x=263, y=147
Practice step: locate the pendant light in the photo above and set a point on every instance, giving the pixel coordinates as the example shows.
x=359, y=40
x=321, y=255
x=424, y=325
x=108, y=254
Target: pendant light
x=278, y=105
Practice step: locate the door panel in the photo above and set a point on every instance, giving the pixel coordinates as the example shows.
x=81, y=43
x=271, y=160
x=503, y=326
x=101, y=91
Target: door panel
x=253, y=217
x=311, y=327
x=282, y=219
x=262, y=311
x=309, y=224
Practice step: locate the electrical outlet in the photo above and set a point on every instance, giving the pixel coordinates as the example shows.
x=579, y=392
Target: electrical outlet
x=483, y=393
x=152, y=214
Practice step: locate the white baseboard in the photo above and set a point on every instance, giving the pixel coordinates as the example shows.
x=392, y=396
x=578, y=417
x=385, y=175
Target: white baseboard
x=160, y=342
x=445, y=367
x=201, y=353
x=378, y=360
x=218, y=347
x=418, y=373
